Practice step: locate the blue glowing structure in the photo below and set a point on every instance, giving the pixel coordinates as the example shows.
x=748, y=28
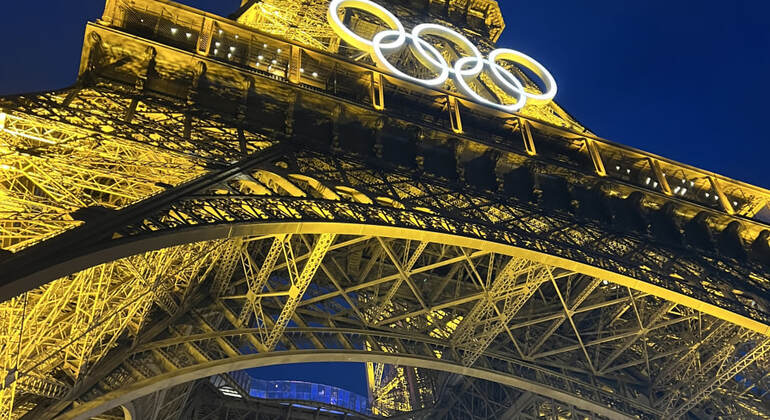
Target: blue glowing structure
x=292, y=391
x=306, y=391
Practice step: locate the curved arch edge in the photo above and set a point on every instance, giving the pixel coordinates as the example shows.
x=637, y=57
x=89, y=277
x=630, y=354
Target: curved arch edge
x=133, y=246
x=130, y=393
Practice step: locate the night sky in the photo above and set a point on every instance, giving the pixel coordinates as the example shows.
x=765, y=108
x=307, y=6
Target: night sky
x=685, y=79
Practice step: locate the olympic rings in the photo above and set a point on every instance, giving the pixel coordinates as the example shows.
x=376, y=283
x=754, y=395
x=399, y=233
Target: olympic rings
x=463, y=71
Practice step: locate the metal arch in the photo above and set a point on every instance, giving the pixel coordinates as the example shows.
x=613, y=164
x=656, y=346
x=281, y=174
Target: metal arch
x=216, y=337
x=460, y=238
x=132, y=246
x=639, y=268
x=489, y=358
x=182, y=211
x=117, y=398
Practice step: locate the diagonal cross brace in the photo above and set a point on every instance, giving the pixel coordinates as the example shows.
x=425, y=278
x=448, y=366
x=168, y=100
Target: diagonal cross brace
x=486, y=312
x=299, y=287
x=759, y=352
x=257, y=281
x=404, y=273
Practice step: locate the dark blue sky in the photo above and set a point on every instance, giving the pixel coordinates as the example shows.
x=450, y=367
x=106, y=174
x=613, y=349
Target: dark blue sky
x=686, y=79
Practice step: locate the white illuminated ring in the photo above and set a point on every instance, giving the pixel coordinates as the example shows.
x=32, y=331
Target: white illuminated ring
x=429, y=56
x=530, y=63
x=379, y=57
x=443, y=32
x=375, y=9
x=512, y=86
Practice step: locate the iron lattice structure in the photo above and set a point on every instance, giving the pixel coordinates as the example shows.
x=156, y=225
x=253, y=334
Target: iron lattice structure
x=211, y=197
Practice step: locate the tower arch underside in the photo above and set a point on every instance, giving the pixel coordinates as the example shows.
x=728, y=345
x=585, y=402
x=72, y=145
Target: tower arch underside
x=127, y=247
x=533, y=295
x=605, y=407
x=485, y=309
x=535, y=271
x=296, y=190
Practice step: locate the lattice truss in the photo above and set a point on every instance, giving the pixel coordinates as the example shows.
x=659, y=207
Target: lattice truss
x=483, y=399
x=76, y=155
x=418, y=310
x=194, y=307
x=54, y=336
x=136, y=319
x=48, y=171
x=72, y=149
x=302, y=21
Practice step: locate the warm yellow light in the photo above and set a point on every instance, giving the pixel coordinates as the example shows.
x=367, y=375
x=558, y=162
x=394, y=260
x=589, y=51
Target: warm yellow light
x=28, y=136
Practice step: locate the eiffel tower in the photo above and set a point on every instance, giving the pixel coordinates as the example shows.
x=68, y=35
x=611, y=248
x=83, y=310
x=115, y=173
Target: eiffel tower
x=218, y=194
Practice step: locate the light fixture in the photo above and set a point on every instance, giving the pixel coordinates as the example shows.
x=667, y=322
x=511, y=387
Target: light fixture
x=174, y=30
x=260, y=58
x=315, y=74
